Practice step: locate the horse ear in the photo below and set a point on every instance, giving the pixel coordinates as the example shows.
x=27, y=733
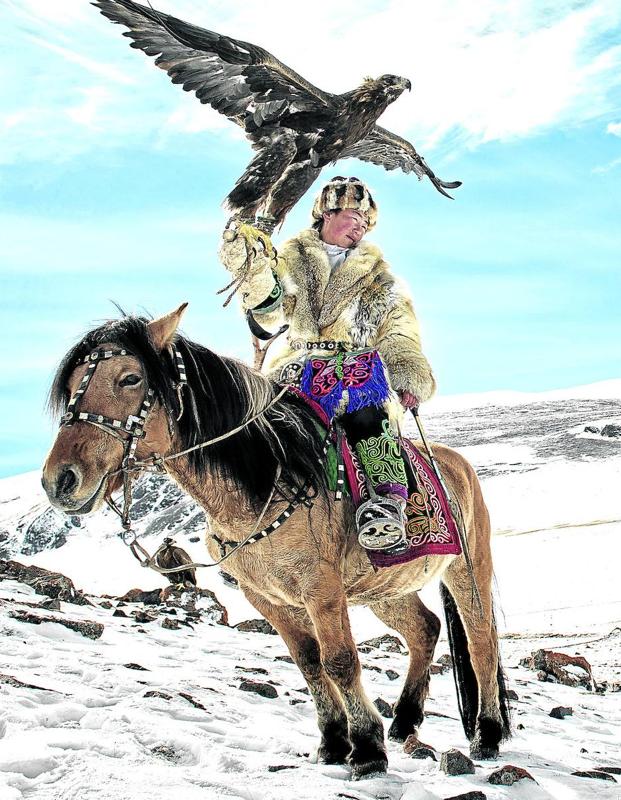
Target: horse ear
x=163, y=329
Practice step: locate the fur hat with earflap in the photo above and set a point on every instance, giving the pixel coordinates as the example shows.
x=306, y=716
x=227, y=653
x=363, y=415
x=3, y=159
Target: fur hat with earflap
x=343, y=193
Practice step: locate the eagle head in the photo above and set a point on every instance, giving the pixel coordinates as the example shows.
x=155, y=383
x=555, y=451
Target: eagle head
x=393, y=86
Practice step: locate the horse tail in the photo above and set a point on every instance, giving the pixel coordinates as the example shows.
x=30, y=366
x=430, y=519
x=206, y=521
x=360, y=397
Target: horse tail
x=464, y=675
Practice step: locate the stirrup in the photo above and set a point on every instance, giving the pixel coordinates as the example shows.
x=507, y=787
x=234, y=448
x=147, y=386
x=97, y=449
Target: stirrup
x=381, y=524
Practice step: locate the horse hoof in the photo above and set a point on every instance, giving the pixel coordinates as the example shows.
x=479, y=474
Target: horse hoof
x=483, y=753
x=399, y=733
x=325, y=756
x=368, y=769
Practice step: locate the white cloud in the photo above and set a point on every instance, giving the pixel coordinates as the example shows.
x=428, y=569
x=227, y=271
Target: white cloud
x=102, y=70
x=604, y=168
x=88, y=112
x=614, y=128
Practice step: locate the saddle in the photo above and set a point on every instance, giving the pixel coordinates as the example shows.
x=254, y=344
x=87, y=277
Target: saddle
x=430, y=525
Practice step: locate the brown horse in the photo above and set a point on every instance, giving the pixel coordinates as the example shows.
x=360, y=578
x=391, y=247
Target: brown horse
x=301, y=577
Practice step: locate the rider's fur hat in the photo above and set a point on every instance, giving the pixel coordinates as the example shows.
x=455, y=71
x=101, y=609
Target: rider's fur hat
x=343, y=193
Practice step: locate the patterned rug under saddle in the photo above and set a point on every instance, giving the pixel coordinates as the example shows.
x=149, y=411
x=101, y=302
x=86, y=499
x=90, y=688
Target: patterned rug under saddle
x=430, y=528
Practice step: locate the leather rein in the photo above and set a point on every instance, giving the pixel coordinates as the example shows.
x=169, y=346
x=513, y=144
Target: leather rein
x=131, y=430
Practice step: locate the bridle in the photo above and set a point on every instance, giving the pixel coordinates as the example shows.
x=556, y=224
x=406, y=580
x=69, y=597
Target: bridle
x=133, y=426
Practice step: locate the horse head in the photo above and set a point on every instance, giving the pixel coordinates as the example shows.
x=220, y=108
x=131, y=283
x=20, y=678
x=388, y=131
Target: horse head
x=112, y=410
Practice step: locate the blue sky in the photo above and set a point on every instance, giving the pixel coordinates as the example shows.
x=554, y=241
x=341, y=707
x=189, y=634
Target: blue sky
x=111, y=180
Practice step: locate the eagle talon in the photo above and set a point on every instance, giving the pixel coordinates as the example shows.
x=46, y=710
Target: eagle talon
x=255, y=239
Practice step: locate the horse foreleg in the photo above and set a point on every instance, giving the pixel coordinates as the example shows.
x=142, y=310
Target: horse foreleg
x=420, y=628
x=339, y=657
x=296, y=629
x=476, y=663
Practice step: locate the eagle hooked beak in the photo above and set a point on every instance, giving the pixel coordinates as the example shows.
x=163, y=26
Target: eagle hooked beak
x=407, y=85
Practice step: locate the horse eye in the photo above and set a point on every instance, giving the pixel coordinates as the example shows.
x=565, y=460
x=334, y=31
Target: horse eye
x=130, y=380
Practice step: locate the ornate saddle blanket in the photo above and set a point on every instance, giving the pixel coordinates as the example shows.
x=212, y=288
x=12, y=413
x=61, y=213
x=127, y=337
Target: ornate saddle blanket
x=430, y=527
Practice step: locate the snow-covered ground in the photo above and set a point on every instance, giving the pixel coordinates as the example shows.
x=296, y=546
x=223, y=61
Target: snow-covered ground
x=90, y=732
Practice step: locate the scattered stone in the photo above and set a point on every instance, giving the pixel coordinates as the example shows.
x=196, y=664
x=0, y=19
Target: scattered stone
x=10, y=680
x=92, y=630
x=611, y=430
x=286, y=659
x=615, y=686
x=560, y=712
x=595, y=773
x=51, y=584
x=423, y=752
x=118, y=612
x=610, y=770
x=468, y=796
x=106, y=604
x=229, y=579
x=170, y=623
x=192, y=701
x=437, y=669
x=387, y=642
x=257, y=670
x=255, y=626
x=139, y=667
x=142, y=616
x=591, y=429
x=155, y=693
x=280, y=767
x=453, y=762
x=391, y=675
x=372, y=667
x=412, y=743
x=446, y=659
x=508, y=775
x=53, y=604
x=172, y=611
x=384, y=708
x=303, y=690
x=166, y=751
x=568, y=670
x=583, y=750
x=519, y=726
x=150, y=598
x=194, y=539
x=438, y=714
x=295, y=701
x=512, y=694
x=264, y=689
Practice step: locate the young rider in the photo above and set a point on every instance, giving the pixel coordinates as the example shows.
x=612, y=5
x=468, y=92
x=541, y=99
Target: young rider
x=352, y=341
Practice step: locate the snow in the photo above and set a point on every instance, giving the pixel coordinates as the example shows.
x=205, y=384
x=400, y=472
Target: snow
x=90, y=733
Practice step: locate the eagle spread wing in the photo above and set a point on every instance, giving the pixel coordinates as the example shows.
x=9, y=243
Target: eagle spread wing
x=390, y=151
x=238, y=79
x=295, y=127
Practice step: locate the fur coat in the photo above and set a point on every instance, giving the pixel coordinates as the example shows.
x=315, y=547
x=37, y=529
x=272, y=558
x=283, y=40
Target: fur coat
x=359, y=302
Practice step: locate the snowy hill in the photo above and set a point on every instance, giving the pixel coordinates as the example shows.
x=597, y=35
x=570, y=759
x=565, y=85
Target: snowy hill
x=95, y=729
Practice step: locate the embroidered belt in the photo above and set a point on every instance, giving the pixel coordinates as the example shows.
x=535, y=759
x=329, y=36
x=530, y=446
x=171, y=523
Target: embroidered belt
x=321, y=345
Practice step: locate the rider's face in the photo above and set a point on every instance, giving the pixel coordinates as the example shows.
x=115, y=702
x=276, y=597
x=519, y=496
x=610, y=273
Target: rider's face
x=344, y=228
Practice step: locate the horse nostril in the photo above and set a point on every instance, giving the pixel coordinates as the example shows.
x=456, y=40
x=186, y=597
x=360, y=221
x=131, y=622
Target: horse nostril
x=67, y=481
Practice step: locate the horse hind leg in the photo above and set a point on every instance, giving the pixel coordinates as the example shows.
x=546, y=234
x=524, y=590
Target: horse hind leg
x=479, y=680
x=420, y=628
x=295, y=628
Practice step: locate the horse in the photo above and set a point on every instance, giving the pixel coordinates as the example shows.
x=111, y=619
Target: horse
x=266, y=461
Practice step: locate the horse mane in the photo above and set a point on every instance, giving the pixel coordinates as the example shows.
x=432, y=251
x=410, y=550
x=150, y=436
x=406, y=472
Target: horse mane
x=221, y=393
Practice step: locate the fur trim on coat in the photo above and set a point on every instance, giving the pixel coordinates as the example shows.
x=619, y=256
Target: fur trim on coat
x=359, y=302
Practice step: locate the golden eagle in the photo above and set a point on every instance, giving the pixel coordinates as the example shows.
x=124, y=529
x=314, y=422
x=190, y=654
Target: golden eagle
x=295, y=127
